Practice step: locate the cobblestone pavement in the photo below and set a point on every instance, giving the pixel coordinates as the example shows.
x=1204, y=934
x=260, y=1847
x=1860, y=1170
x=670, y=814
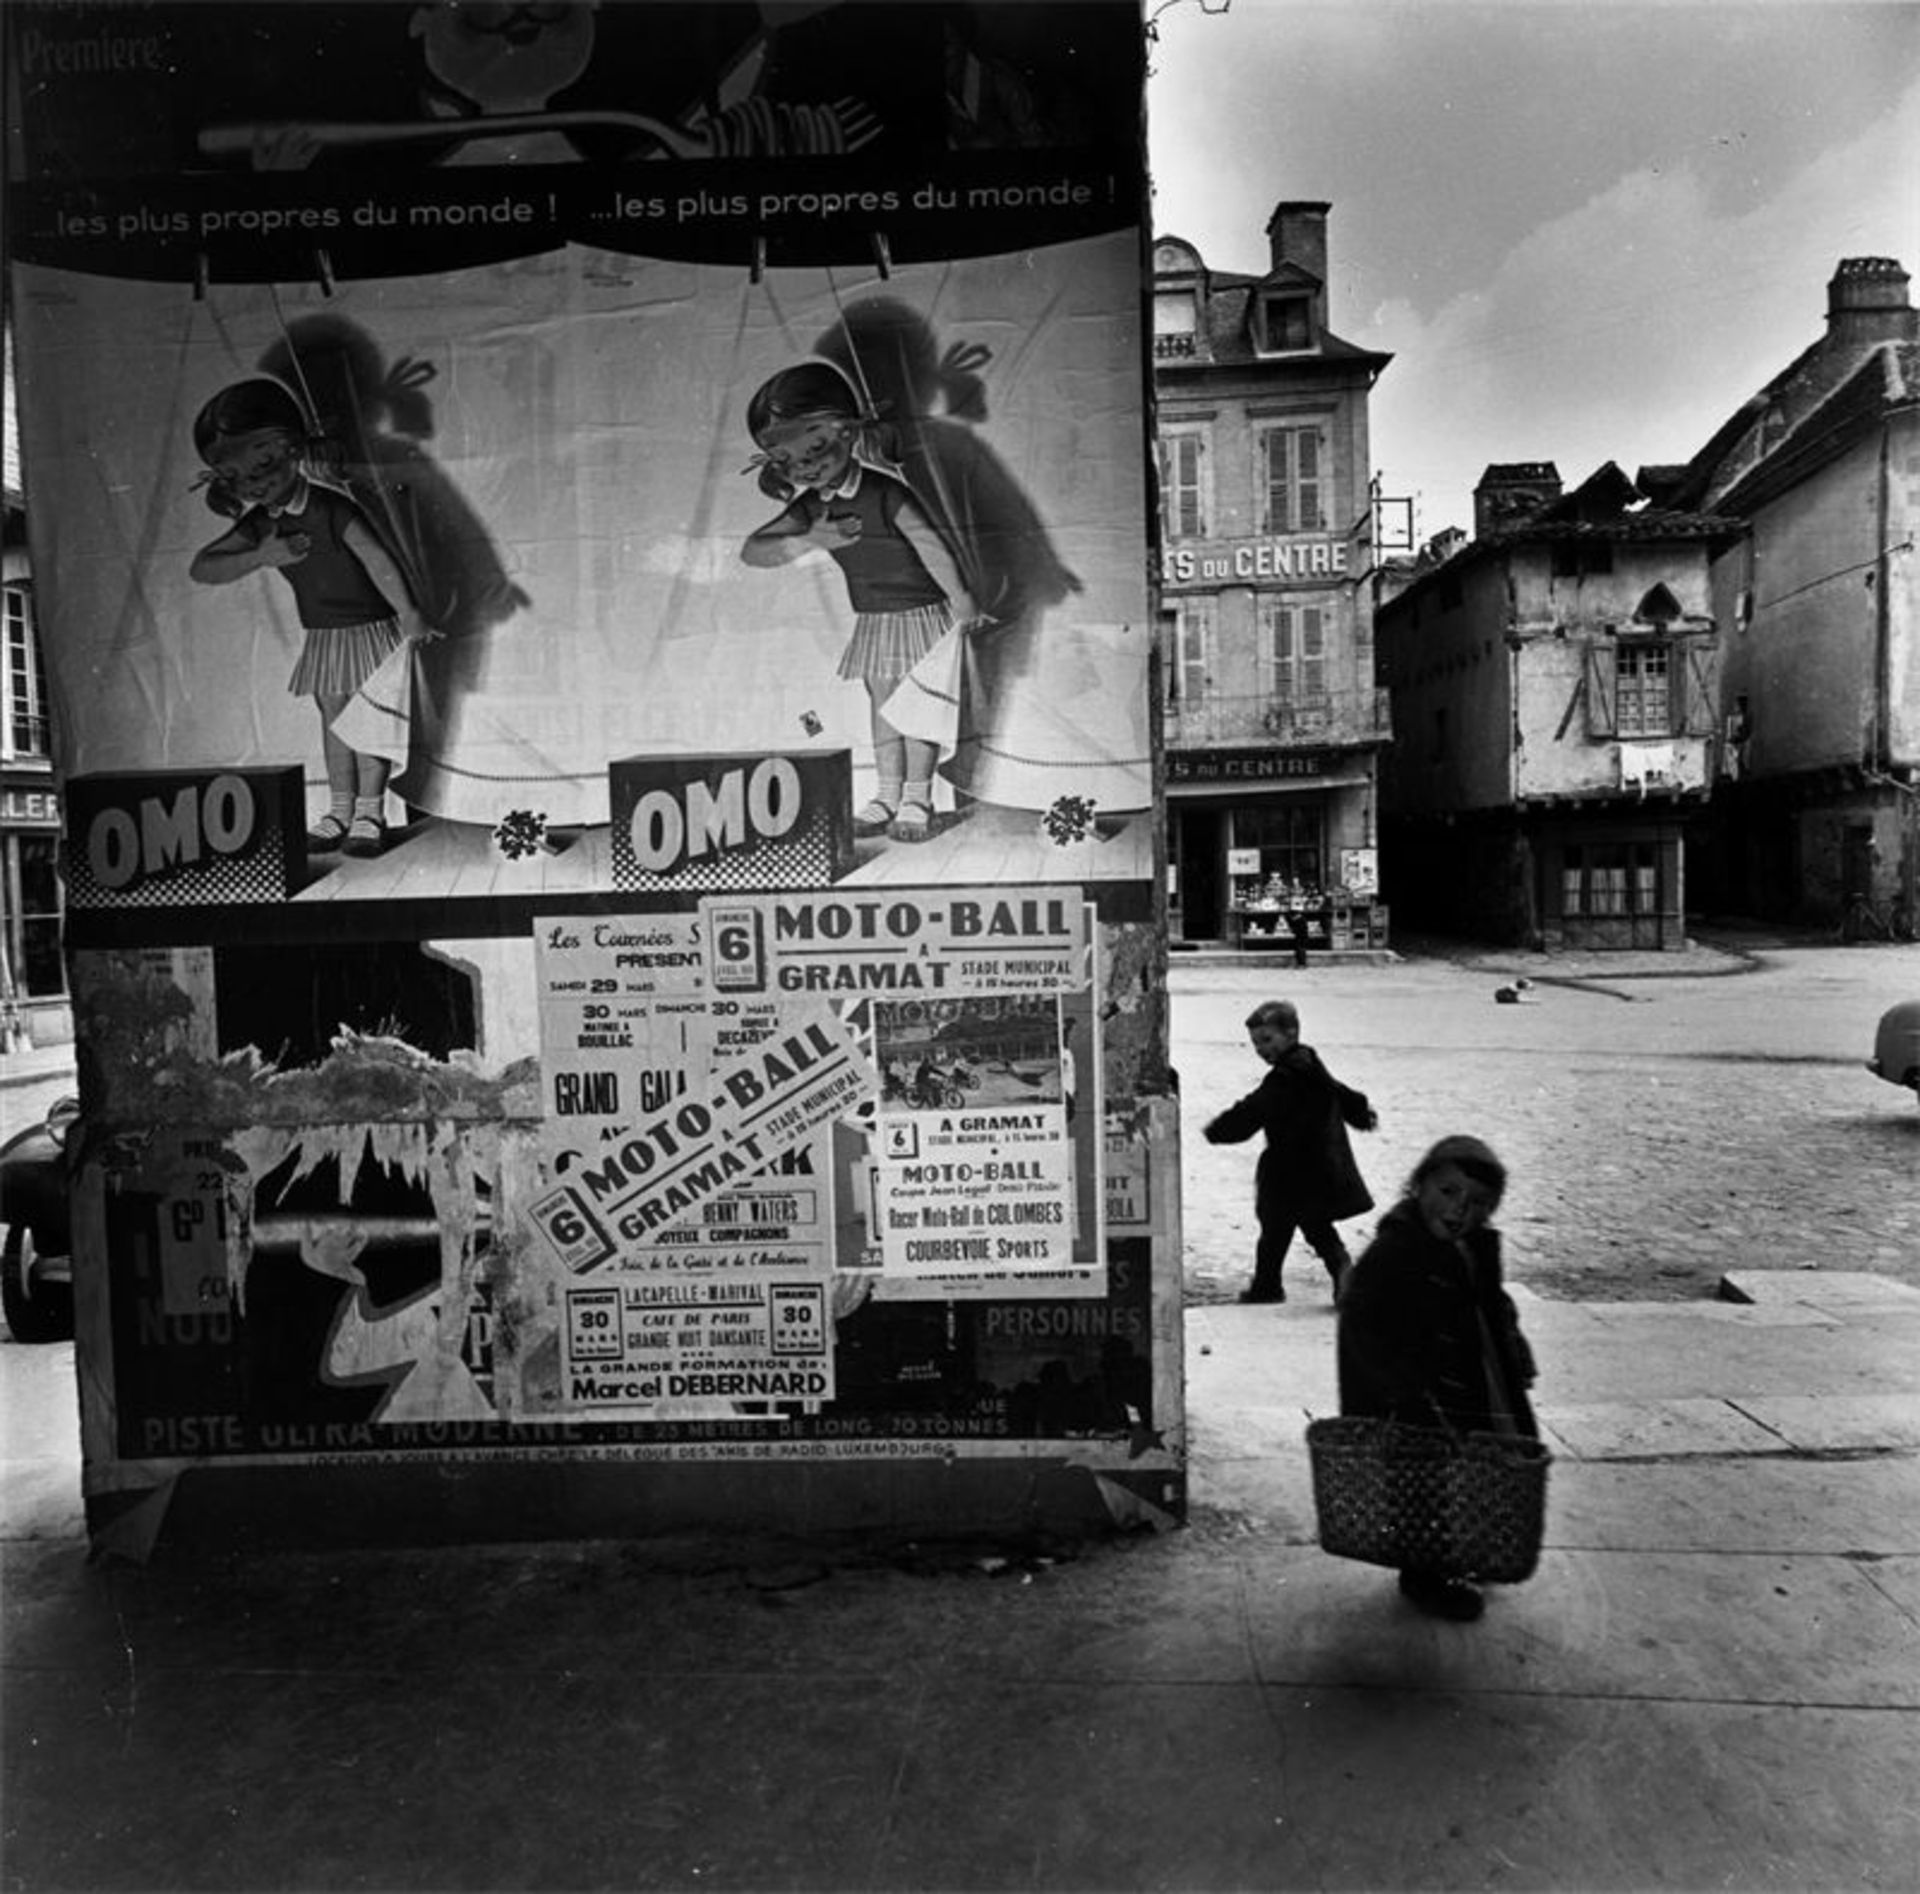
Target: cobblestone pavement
x=1664, y=1120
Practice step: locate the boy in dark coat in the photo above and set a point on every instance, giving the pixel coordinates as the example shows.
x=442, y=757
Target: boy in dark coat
x=1307, y=1179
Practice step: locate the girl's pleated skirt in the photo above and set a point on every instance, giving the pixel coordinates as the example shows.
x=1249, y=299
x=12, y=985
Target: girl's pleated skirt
x=885, y=646
x=336, y=660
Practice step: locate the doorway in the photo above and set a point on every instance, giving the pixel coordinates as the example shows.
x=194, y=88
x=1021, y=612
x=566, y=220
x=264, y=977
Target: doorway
x=1199, y=855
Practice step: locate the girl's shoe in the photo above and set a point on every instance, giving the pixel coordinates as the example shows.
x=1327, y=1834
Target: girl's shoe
x=912, y=823
x=366, y=835
x=326, y=835
x=1443, y=1597
x=873, y=818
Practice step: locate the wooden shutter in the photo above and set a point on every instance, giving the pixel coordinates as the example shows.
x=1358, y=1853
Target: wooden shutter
x=1309, y=515
x=1698, y=713
x=1601, y=719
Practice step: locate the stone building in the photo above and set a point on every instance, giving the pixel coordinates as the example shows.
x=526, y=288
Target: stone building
x=1554, y=687
x=1273, y=717
x=1818, y=809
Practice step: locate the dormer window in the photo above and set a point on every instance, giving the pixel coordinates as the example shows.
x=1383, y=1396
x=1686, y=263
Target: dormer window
x=1176, y=322
x=1286, y=323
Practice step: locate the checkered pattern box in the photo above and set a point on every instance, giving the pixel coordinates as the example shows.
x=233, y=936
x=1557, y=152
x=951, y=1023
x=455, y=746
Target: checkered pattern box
x=185, y=837
x=742, y=821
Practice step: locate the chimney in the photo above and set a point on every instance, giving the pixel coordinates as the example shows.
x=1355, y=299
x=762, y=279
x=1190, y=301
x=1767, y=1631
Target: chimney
x=1512, y=491
x=1297, y=233
x=1867, y=303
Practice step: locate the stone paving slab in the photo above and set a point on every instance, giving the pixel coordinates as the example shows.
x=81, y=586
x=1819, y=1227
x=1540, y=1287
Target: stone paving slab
x=1589, y=1354
x=1826, y=1423
x=1899, y=1579
x=1838, y=1289
x=1776, y=1503
x=1574, y=1317
x=1636, y=1430
x=1691, y=1356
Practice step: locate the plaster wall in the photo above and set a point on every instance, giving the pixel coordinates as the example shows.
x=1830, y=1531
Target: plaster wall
x=1450, y=681
x=1801, y=613
x=1903, y=589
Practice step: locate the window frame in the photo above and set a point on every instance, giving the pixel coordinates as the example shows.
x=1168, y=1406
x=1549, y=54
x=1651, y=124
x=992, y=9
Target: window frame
x=1181, y=486
x=1291, y=835
x=1282, y=488
x=1643, y=694
x=1195, y=639
x=1630, y=890
x=1610, y=689
x=1277, y=313
x=25, y=730
x=1295, y=645
x=35, y=916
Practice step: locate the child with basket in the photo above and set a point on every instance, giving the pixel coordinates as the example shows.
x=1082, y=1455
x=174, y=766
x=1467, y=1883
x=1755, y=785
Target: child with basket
x=1428, y=1334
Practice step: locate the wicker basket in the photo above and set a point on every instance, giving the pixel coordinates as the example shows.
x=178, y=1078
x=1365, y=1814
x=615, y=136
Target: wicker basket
x=1457, y=1505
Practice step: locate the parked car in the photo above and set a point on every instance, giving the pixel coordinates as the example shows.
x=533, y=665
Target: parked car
x=1896, y=1046
x=36, y=1291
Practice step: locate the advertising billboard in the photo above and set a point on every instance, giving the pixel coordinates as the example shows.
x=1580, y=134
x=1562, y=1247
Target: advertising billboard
x=592, y=566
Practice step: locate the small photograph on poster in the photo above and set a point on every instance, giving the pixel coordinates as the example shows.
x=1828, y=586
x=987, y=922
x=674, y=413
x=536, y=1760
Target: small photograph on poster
x=970, y=1055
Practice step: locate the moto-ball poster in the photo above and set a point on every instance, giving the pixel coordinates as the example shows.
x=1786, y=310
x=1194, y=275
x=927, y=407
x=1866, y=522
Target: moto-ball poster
x=523, y=500
x=769, y=1113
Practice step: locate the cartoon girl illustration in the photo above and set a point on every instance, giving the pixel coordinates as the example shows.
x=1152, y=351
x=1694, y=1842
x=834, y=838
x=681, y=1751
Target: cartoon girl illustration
x=822, y=452
x=352, y=598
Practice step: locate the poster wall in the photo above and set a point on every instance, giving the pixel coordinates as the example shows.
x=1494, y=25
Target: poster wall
x=593, y=576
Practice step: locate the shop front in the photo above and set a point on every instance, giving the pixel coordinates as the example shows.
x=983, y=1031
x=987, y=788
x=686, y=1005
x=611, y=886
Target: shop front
x=1273, y=849
x=1608, y=884
x=33, y=987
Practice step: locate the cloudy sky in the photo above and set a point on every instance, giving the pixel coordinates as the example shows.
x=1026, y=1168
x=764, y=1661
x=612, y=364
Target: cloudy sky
x=1586, y=232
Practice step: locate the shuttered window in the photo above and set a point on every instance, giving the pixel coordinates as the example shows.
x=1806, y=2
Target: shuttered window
x=1643, y=705
x=1293, y=474
x=1293, y=654
x=1183, y=481
x=1192, y=672
x=1632, y=689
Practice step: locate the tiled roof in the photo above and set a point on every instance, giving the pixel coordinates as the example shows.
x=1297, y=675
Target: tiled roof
x=1605, y=506
x=1228, y=318
x=1887, y=376
x=1528, y=472
x=1804, y=388
x=1652, y=523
